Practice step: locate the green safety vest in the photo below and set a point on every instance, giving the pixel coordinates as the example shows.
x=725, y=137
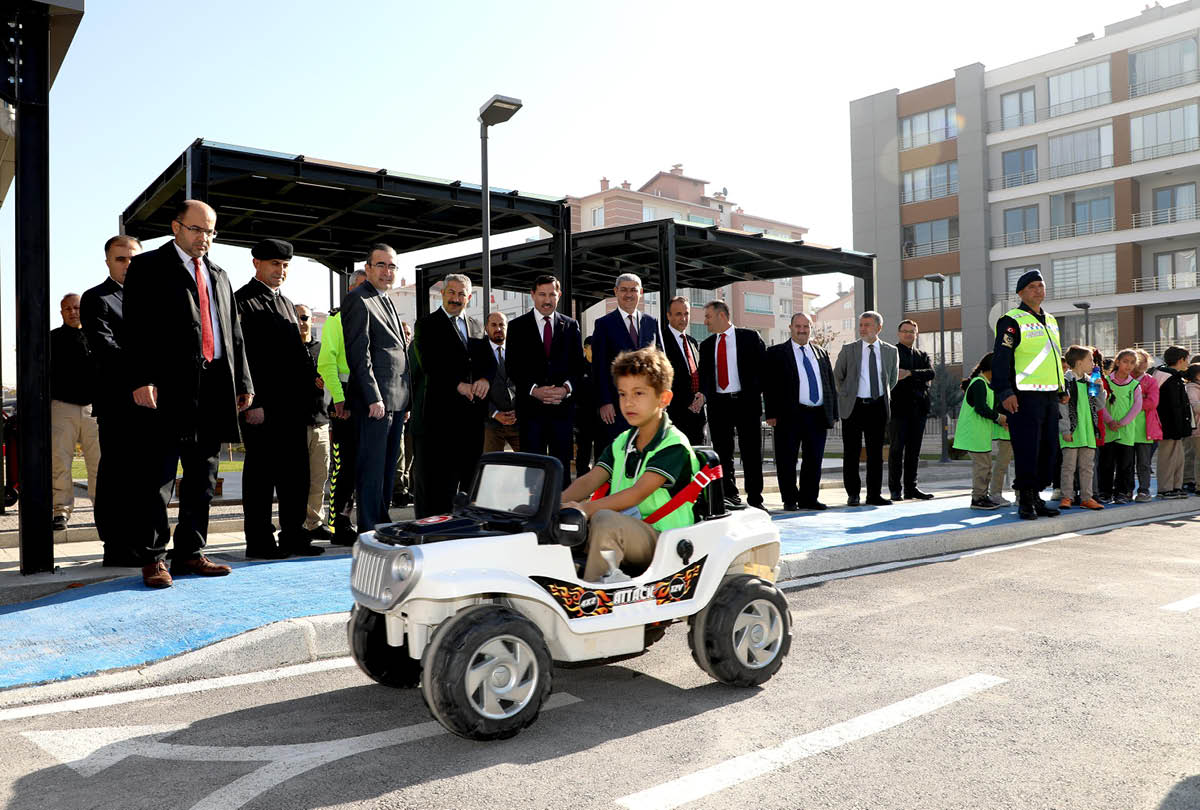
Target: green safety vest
x=1121, y=403
x=683, y=516
x=1085, y=431
x=1037, y=360
x=974, y=433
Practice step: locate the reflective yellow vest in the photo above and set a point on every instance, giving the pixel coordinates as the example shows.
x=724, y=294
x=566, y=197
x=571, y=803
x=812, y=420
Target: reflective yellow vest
x=1037, y=360
x=683, y=516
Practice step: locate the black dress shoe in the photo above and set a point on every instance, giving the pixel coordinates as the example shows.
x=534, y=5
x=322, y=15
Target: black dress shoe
x=1025, y=507
x=917, y=494
x=60, y=523
x=303, y=550
x=790, y=507
x=265, y=550
x=853, y=501
x=1042, y=508
x=756, y=504
x=319, y=533
x=816, y=506
x=344, y=537
x=896, y=496
x=878, y=501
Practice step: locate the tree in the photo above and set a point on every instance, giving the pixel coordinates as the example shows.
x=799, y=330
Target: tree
x=821, y=335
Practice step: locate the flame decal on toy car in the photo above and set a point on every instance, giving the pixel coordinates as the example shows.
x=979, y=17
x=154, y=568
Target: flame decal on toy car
x=580, y=602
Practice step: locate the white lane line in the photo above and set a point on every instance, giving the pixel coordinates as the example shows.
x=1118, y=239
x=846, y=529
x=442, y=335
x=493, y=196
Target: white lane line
x=741, y=769
x=1184, y=605
x=152, y=692
x=975, y=552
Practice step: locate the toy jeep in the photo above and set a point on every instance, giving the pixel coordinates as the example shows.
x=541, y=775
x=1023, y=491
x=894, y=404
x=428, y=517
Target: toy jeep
x=476, y=605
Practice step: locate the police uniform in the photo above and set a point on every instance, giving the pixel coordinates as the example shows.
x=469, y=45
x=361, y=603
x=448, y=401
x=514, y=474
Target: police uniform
x=1027, y=362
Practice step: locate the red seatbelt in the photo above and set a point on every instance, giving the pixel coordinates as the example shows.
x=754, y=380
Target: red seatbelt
x=688, y=494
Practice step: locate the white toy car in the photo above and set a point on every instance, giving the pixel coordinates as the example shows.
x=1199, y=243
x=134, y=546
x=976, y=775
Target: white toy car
x=476, y=605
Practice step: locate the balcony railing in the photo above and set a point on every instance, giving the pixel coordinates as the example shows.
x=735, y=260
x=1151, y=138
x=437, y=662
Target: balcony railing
x=1013, y=180
x=1065, y=292
x=1066, y=231
x=1157, y=347
x=926, y=304
x=1164, y=149
x=1174, y=281
x=930, y=193
x=1163, y=83
x=915, y=251
x=1080, y=166
x=920, y=139
x=1165, y=216
x=1063, y=108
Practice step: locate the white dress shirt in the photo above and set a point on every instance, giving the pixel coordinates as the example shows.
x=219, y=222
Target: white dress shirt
x=864, y=371
x=212, y=297
x=541, y=320
x=808, y=397
x=735, y=382
x=684, y=346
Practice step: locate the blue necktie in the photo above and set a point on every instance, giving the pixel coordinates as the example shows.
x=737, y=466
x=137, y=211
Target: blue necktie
x=812, y=377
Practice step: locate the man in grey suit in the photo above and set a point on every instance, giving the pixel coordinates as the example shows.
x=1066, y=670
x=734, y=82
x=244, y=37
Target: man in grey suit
x=378, y=390
x=865, y=373
x=501, y=426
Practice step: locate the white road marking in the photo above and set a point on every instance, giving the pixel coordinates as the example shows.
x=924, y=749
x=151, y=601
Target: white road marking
x=741, y=769
x=91, y=750
x=152, y=692
x=1184, y=605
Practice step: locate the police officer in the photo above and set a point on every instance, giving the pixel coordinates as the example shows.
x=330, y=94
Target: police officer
x=1027, y=377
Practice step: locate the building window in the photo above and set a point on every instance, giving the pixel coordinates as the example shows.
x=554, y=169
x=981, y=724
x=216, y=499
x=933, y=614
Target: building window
x=647, y=213
x=1083, y=151
x=931, y=344
x=1101, y=331
x=700, y=220
x=1175, y=270
x=930, y=183
x=1019, y=166
x=785, y=306
x=1079, y=89
x=1083, y=275
x=847, y=323
x=598, y=217
x=1016, y=109
x=1168, y=132
x=930, y=238
x=1174, y=204
x=1081, y=212
x=1011, y=274
x=929, y=127
x=753, y=229
x=1021, y=226
x=756, y=302
x=1181, y=328
x=698, y=330
x=921, y=295
x=699, y=298
x=1163, y=67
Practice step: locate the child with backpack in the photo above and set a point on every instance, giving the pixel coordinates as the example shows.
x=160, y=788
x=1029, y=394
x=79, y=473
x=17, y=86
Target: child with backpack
x=977, y=419
x=1147, y=430
x=1078, y=425
x=1175, y=415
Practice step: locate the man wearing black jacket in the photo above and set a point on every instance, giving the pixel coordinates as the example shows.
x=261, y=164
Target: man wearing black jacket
x=910, y=409
x=687, y=405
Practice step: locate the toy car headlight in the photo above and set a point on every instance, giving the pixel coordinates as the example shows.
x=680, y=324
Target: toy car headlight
x=403, y=565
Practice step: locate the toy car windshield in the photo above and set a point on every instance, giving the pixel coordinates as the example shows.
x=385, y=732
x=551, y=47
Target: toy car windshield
x=509, y=488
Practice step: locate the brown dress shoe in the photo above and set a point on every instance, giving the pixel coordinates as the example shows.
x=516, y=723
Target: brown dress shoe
x=155, y=575
x=201, y=566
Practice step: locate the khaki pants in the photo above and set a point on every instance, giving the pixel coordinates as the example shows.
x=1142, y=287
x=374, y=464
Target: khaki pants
x=70, y=425
x=1000, y=461
x=981, y=473
x=1083, y=459
x=496, y=435
x=318, y=474
x=631, y=538
x=1170, y=464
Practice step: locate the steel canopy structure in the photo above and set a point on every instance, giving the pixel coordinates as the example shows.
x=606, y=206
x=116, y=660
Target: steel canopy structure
x=666, y=253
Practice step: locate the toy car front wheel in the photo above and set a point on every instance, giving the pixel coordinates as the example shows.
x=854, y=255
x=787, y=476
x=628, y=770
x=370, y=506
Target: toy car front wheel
x=382, y=663
x=743, y=635
x=487, y=672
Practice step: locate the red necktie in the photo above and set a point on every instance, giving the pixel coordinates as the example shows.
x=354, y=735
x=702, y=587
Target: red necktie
x=722, y=364
x=546, y=336
x=633, y=335
x=206, y=330
x=687, y=352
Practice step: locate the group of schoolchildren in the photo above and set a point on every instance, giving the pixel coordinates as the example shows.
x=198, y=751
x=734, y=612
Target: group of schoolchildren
x=1113, y=416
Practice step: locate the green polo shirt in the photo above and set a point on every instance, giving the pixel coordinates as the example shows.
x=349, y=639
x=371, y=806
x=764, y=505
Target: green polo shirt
x=673, y=463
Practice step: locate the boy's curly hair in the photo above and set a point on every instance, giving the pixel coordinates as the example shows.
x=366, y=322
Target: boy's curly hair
x=650, y=363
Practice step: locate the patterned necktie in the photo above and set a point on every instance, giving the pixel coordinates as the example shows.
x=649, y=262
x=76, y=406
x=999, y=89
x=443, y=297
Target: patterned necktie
x=633, y=335
x=546, y=336
x=691, y=363
x=873, y=370
x=722, y=364
x=812, y=378
x=206, y=330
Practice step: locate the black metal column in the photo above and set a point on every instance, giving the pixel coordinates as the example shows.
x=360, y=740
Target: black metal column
x=868, y=291
x=666, y=269
x=561, y=246
x=33, y=285
x=422, y=282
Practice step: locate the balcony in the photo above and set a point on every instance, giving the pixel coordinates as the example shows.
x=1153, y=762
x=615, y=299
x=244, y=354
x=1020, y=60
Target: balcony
x=926, y=304
x=916, y=251
x=1165, y=216
x=1064, y=108
x=1050, y=173
x=1157, y=347
x=1164, y=150
x=919, y=139
x=1068, y=231
x=1163, y=83
x=924, y=194
x=1174, y=281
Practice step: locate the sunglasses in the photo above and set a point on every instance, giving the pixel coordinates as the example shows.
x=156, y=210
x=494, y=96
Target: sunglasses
x=302, y=317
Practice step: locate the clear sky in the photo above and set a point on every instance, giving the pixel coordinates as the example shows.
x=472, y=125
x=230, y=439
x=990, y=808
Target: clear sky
x=753, y=96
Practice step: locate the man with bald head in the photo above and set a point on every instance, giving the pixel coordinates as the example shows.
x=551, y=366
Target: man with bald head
x=72, y=390
x=190, y=379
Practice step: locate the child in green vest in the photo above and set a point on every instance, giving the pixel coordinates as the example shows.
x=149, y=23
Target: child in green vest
x=1078, y=425
x=646, y=466
x=977, y=423
x=1124, y=405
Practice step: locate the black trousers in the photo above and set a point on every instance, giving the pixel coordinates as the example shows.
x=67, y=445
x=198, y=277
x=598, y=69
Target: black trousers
x=446, y=458
x=343, y=467
x=692, y=424
x=735, y=413
x=552, y=433
x=1034, y=431
x=379, y=444
x=276, y=464
x=802, y=431
x=905, y=432
x=867, y=422
x=1116, y=470
x=122, y=529
x=587, y=447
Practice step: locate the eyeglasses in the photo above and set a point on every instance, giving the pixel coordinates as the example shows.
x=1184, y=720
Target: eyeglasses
x=210, y=233
x=302, y=317
x=384, y=266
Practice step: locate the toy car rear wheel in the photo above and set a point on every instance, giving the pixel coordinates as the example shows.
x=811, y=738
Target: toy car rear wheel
x=487, y=673
x=381, y=662
x=743, y=635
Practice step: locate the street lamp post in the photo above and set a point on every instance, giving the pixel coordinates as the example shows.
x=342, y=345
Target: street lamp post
x=1087, y=331
x=496, y=110
x=940, y=280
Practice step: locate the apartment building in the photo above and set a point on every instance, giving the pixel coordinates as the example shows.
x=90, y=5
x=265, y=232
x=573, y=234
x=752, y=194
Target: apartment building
x=1082, y=163
x=836, y=323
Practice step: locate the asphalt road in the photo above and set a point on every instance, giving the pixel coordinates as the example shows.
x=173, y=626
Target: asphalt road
x=1048, y=676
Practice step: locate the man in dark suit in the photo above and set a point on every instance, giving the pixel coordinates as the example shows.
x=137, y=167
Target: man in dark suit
x=865, y=373
x=687, y=405
x=102, y=311
x=910, y=410
x=188, y=373
x=545, y=362
x=501, y=427
x=801, y=404
x=731, y=378
x=274, y=430
x=379, y=386
x=624, y=329
x=452, y=367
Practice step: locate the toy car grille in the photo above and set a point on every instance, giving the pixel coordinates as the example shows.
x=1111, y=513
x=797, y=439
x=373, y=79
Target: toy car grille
x=369, y=573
